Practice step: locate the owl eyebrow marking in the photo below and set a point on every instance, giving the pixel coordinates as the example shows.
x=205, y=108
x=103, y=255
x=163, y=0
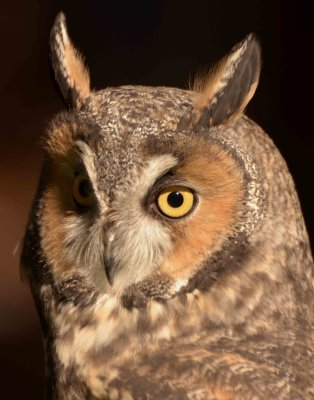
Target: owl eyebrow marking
x=87, y=157
x=157, y=167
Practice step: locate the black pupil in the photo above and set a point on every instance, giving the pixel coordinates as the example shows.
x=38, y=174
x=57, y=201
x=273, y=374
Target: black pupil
x=85, y=188
x=175, y=199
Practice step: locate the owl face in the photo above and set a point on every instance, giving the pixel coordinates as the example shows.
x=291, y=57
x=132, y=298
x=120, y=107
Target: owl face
x=129, y=196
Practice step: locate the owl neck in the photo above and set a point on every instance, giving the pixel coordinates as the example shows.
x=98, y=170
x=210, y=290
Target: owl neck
x=98, y=334
x=89, y=332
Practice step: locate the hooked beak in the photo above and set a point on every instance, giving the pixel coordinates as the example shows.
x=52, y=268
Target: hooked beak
x=110, y=266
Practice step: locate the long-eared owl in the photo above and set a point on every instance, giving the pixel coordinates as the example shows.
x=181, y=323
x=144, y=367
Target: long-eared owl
x=166, y=250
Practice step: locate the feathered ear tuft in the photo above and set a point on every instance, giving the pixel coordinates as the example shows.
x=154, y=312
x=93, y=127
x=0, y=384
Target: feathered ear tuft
x=71, y=74
x=230, y=85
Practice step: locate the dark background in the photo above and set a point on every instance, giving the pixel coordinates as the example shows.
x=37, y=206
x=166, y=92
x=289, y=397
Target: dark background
x=133, y=42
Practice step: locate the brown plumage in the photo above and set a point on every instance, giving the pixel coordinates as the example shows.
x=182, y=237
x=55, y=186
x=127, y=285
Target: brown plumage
x=205, y=292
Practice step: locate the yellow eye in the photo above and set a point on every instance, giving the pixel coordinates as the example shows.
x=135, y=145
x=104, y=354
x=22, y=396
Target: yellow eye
x=175, y=201
x=82, y=191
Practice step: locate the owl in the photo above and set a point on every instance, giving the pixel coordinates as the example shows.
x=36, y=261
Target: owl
x=166, y=250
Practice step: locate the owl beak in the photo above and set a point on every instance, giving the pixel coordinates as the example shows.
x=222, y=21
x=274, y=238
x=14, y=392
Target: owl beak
x=110, y=268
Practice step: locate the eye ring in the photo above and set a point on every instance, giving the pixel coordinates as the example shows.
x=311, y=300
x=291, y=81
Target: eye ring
x=176, y=201
x=82, y=191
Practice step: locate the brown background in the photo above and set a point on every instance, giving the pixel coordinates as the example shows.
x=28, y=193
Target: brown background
x=146, y=42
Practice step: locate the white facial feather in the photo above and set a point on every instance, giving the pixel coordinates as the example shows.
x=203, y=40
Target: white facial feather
x=135, y=240
x=140, y=240
x=87, y=156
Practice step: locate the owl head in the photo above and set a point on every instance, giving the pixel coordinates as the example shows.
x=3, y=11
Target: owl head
x=148, y=193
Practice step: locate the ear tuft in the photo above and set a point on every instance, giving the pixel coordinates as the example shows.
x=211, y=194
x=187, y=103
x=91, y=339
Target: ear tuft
x=70, y=72
x=230, y=85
